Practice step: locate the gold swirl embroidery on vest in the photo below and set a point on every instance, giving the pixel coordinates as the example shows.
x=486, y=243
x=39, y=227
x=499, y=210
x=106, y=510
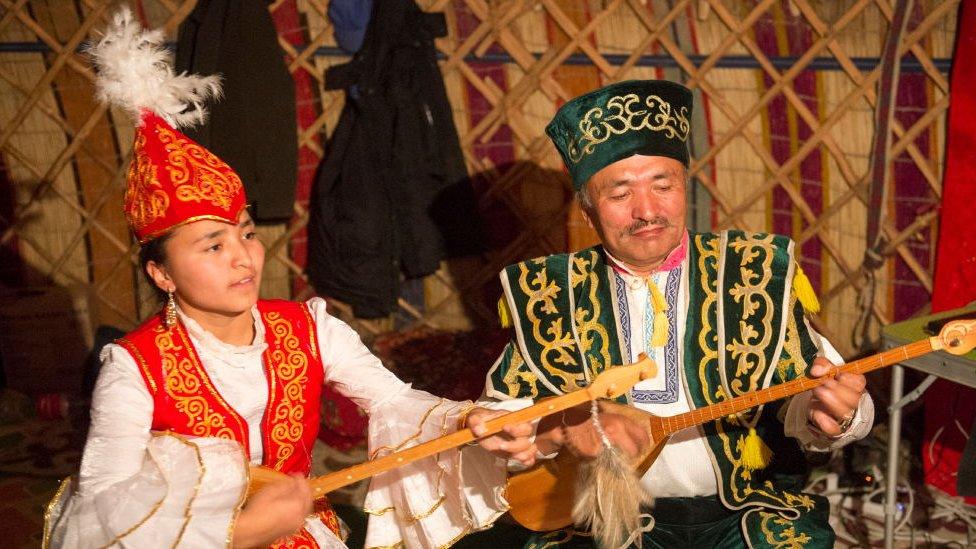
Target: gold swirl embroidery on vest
x=518, y=373
x=750, y=351
x=708, y=255
x=146, y=201
x=626, y=113
x=197, y=174
x=781, y=533
x=707, y=337
x=184, y=385
x=588, y=326
x=792, y=362
x=542, y=293
x=750, y=248
x=292, y=371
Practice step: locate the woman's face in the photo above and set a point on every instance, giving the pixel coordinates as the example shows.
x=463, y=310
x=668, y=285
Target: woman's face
x=213, y=267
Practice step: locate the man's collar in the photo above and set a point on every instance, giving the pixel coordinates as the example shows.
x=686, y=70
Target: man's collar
x=674, y=259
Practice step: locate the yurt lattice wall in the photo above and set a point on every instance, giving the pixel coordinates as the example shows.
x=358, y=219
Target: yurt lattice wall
x=786, y=92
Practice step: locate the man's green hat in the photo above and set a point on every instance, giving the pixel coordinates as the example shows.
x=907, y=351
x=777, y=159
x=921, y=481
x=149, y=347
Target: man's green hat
x=596, y=129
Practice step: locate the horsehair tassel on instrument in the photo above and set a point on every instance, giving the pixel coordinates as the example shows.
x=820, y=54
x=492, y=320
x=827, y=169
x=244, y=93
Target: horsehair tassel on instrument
x=538, y=496
x=609, y=384
x=609, y=494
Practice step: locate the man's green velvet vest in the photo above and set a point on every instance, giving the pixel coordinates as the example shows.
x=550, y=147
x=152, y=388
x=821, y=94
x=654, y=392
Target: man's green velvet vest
x=744, y=331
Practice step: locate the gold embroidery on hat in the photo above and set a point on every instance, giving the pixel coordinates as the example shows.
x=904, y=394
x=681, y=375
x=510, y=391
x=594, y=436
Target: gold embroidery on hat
x=145, y=199
x=627, y=113
x=197, y=174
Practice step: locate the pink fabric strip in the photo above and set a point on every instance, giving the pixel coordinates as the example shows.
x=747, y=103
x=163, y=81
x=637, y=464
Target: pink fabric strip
x=674, y=259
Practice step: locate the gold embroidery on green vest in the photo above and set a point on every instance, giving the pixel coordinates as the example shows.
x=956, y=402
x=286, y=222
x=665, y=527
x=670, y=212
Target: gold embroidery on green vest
x=587, y=314
x=517, y=371
x=792, y=362
x=707, y=336
x=750, y=351
x=781, y=533
x=754, y=326
x=542, y=292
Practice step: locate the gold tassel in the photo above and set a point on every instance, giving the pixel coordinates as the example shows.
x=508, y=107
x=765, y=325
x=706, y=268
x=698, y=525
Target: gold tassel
x=755, y=453
x=504, y=317
x=804, y=291
x=660, y=336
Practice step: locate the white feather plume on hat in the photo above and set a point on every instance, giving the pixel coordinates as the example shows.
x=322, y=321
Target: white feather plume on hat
x=134, y=73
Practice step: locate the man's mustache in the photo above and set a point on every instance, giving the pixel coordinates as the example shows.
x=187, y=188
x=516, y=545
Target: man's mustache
x=659, y=221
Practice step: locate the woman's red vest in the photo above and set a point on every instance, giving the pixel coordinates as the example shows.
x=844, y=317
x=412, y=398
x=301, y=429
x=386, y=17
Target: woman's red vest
x=186, y=401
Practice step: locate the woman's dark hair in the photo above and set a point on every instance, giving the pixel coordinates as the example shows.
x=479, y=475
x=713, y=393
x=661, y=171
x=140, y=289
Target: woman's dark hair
x=155, y=251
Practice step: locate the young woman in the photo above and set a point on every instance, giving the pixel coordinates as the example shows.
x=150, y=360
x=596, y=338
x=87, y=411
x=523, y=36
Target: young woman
x=221, y=380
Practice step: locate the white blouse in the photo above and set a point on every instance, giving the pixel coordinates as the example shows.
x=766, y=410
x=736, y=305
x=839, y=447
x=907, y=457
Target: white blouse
x=145, y=489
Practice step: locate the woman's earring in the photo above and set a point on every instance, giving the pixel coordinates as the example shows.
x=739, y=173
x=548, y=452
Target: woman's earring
x=170, y=318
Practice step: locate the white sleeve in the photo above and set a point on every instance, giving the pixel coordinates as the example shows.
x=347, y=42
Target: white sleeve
x=121, y=417
x=349, y=366
x=138, y=489
x=431, y=502
x=797, y=412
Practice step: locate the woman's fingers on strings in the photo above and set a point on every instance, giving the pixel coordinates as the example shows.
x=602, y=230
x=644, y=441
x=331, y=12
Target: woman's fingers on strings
x=526, y=457
x=303, y=490
x=477, y=425
x=508, y=445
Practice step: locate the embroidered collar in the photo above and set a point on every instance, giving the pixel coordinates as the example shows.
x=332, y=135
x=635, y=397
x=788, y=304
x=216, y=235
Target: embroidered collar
x=674, y=260
x=225, y=351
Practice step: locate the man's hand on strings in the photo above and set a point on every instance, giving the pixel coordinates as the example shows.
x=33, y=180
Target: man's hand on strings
x=515, y=441
x=574, y=430
x=834, y=403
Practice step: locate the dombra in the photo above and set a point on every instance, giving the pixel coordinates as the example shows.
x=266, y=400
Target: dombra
x=609, y=384
x=542, y=497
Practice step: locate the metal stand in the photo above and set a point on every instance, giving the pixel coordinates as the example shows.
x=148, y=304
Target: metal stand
x=959, y=369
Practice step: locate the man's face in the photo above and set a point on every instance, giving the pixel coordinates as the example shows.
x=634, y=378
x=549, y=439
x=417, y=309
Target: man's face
x=637, y=207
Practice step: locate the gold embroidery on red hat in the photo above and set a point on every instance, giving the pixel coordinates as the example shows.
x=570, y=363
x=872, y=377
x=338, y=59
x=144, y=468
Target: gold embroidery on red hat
x=145, y=199
x=197, y=174
x=174, y=181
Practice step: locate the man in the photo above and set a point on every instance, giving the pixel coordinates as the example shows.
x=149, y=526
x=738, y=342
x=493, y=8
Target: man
x=719, y=313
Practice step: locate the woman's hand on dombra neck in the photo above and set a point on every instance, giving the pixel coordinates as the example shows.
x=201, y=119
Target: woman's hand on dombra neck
x=513, y=442
x=276, y=511
x=574, y=430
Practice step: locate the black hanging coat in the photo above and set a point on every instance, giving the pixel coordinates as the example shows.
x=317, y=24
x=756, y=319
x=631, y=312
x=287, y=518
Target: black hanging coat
x=252, y=128
x=392, y=193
